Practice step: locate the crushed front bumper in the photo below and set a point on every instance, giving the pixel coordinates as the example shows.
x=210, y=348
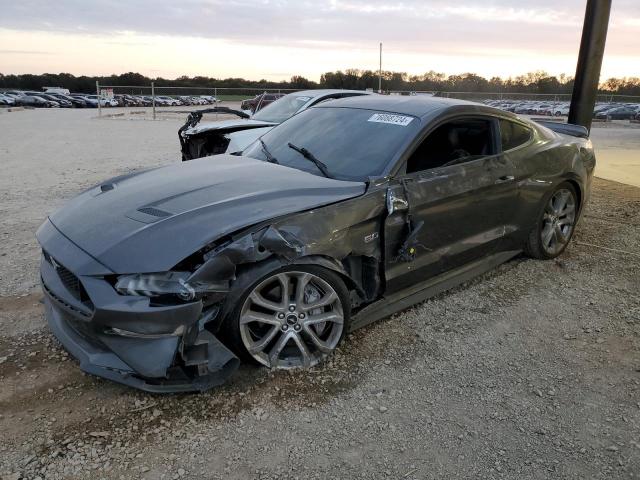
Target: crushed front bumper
x=124, y=338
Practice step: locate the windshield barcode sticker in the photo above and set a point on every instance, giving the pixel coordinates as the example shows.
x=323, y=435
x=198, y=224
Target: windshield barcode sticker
x=401, y=120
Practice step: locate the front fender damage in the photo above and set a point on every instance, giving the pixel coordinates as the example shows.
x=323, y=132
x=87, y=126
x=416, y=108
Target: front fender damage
x=343, y=237
x=185, y=353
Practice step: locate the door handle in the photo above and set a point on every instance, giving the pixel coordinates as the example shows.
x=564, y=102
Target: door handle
x=505, y=179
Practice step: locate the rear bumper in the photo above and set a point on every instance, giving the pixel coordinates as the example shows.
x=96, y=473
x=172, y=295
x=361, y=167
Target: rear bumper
x=124, y=338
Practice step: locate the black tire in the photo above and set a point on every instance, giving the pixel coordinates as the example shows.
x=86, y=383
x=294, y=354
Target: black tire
x=534, y=246
x=230, y=330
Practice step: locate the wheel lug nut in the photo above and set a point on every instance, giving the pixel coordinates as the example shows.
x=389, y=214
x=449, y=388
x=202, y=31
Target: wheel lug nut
x=292, y=308
x=296, y=327
x=285, y=327
x=281, y=315
x=301, y=315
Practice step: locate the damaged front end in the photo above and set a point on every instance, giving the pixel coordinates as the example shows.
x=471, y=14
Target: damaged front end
x=199, y=140
x=140, y=273
x=151, y=332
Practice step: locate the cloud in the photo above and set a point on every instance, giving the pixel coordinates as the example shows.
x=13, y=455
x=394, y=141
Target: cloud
x=491, y=30
x=438, y=26
x=24, y=52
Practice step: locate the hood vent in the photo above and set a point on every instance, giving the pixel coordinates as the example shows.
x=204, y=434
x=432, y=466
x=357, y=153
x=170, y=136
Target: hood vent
x=154, y=212
x=148, y=214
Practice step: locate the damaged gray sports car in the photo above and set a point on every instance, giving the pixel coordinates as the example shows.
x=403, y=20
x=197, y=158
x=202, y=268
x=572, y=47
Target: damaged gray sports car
x=347, y=212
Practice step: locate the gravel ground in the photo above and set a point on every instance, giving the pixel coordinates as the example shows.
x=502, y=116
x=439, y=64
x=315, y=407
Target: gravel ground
x=531, y=371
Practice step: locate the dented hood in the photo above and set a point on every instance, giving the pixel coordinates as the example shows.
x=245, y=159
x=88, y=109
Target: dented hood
x=148, y=222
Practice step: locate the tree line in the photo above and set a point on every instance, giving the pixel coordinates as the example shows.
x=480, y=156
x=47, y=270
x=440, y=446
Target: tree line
x=534, y=82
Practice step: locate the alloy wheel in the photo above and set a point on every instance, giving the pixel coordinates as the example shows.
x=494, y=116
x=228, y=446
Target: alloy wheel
x=558, y=221
x=291, y=319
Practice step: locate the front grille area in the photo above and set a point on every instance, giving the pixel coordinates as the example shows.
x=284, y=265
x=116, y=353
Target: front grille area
x=62, y=302
x=82, y=328
x=69, y=280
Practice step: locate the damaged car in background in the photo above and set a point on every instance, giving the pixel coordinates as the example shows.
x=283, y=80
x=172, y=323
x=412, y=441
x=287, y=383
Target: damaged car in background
x=346, y=213
x=252, y=105
x=229, y=136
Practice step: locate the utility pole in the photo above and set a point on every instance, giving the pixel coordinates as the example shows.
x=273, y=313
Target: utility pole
x=153, y=99
x=98, y=94
x=594, y=37
x=380, y=71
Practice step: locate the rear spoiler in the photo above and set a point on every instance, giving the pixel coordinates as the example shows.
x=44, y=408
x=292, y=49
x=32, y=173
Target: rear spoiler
x=566, y=128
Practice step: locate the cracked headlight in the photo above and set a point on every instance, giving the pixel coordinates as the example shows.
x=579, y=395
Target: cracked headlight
x=167, y=283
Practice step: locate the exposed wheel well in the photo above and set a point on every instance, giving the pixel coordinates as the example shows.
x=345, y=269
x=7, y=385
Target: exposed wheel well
x=360, y=274
x=578, y=190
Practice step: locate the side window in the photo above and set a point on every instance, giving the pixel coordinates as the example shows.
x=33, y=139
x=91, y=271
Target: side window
x=453, y=142
x=513, y=134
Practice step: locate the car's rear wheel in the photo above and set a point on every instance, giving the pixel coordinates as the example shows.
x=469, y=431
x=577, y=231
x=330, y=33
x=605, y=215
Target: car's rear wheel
x=555, y=225
x=293, y=317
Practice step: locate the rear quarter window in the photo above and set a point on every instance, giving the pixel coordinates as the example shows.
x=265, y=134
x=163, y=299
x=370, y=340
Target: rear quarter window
x=513, y=135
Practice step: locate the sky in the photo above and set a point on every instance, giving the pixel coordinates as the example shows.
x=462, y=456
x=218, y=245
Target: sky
x=276, y=39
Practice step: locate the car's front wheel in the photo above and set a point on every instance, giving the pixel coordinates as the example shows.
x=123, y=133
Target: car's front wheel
x=555, y=225
x=293, y=317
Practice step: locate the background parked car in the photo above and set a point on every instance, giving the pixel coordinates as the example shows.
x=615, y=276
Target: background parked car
x=75, y=102
x=51, y=102
x=89, y=102
x=127, y=101
x=617, y=113
x=210, y=138
x=210, y=99
x=561, y=110
x=601, y=107
x=170, y=101
x=62, y=102
x=160, y=102
x=29, y=100
x=7, y=100
x=104, y=102
x=602, y=110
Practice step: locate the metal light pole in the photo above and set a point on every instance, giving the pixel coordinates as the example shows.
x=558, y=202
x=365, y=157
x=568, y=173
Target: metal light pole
x=594, y=37
x=380, y=71
x=153, y=99
x=98, y=93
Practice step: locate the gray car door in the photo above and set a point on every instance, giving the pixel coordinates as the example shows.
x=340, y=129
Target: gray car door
x=452, y=214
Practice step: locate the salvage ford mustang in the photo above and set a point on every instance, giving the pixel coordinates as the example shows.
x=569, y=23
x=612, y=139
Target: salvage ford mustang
x=346, y=213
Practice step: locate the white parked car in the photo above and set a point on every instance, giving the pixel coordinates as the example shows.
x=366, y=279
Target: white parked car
x=169, y=101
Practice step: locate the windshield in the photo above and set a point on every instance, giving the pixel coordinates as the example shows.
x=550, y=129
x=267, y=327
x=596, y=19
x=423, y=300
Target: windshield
x=354, y=144
x=281, y=109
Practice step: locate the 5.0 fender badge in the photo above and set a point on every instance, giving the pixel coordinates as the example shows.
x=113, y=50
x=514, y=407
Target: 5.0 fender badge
x=371, y=237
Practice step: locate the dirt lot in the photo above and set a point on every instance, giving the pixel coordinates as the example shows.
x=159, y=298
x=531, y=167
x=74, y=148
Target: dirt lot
x=617, y=146
x=531, y=371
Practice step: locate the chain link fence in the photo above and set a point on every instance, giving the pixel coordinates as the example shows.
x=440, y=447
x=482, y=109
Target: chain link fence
x=172, y=96
x=156, y=97
x=516, y=96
